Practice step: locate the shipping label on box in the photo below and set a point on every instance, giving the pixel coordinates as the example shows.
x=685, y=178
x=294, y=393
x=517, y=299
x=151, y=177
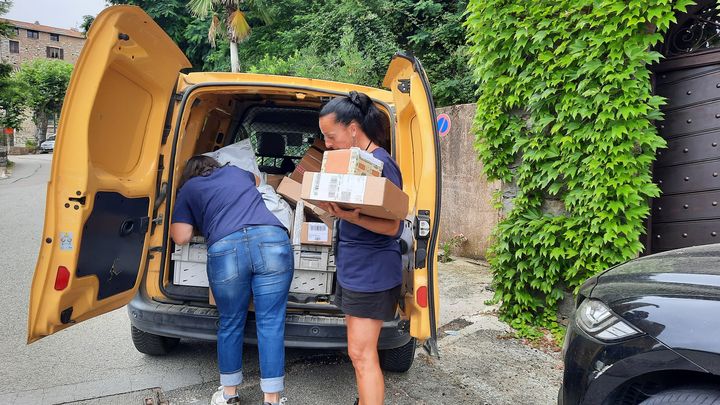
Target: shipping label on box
x=291, y=190
x=351, y=161
x=316, y=233
x=338, y=188
x=374, y=196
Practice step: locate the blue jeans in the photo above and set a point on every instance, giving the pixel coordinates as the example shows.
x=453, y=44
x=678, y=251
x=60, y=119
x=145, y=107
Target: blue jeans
x=256, y=261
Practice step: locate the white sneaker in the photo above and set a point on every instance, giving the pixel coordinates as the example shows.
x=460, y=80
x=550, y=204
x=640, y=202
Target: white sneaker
x=219, y=399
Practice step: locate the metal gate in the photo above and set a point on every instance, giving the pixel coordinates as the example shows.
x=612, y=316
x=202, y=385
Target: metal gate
x=687, y=213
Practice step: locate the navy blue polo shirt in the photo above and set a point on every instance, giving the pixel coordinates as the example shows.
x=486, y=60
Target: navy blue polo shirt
x=368, y=261
x=222, y=203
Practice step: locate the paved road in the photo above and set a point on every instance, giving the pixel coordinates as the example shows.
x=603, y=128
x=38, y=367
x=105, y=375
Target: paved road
x=96, y=358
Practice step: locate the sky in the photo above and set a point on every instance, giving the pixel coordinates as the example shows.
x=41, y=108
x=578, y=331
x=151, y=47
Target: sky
x=55, y=13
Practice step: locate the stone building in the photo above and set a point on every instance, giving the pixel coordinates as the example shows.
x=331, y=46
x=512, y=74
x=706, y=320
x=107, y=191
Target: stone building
x=32, y=41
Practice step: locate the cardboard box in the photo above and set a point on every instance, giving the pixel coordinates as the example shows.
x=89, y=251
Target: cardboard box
x=311, y=162
x=315, y=233
x=291, y=190
x=375, y=196
x=274, y=180
x=351, y=161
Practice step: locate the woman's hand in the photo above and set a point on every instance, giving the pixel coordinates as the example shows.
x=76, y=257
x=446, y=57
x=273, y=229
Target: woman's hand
x=352, y=216
x=389, y=227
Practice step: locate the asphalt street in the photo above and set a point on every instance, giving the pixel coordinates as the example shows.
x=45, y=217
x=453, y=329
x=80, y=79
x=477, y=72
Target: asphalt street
x=95, y=362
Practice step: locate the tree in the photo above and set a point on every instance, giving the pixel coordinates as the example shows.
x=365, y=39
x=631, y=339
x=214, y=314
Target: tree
x=5, y=92
x=347, y=65
x=433, y=30
x=87, y=21
x=44, y=83
x=310, y=38
x=12, y=102
x=6, y=29
x=235, y=23
x=188, y=32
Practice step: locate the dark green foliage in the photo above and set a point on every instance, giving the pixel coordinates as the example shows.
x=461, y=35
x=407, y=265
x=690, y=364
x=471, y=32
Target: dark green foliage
x=433, y=30
x=86, y=23
x=6, y=29
x=344, y=40
x=188, y=32
x=565, y=93
x=42, y=84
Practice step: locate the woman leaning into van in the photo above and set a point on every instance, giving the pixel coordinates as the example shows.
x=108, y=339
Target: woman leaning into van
x=249, y=253
x=369, y=264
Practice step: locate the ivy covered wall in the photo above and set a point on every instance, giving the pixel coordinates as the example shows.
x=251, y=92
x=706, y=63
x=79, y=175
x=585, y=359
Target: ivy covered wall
x=565, y=110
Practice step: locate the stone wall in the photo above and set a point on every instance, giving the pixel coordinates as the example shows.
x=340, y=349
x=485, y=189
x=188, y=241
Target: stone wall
x=466, y=193
x=31, y=49
x=71, y=42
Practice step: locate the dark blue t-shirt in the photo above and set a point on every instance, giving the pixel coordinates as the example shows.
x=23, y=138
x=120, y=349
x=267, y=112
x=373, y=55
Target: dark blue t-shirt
x=222, y=203
x=368, y=261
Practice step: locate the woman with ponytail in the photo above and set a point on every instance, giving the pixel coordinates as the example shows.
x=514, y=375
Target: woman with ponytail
x=369, y=264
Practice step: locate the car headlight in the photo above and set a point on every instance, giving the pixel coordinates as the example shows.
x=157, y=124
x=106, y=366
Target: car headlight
x=598, y=321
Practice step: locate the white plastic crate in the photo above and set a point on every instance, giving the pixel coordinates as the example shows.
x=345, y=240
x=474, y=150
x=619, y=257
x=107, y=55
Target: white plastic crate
x=314, y=267
x=190, y=264
x=314, y=273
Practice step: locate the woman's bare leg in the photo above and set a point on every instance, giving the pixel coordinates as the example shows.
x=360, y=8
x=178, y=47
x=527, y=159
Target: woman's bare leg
x=363, y=334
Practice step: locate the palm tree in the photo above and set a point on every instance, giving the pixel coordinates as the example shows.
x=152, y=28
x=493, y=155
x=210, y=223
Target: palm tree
x=236, y=24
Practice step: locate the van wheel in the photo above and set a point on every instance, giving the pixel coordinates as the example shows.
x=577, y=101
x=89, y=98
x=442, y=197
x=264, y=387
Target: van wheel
x=399, y=359
x=685, y=396
x=153, y=345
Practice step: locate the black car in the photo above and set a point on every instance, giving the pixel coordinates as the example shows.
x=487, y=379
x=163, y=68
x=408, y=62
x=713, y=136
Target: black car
x=647, y=332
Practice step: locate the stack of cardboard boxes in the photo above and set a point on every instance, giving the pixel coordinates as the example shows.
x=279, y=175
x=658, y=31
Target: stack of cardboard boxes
x=351, y=178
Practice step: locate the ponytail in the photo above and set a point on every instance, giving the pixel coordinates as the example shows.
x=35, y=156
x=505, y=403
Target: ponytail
x=358, y=107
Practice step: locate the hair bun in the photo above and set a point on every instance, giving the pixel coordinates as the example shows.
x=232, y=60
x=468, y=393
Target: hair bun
x=358, y=101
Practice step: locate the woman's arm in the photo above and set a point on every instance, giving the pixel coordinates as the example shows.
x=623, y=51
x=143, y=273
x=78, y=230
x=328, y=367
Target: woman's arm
x=382, y=226
x=181, y=233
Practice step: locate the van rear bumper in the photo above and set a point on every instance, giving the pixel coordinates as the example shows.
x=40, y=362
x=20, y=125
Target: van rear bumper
x=301, y=331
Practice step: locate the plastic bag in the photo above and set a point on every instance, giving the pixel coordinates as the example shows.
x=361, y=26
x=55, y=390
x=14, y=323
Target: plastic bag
x=239, y=154
x=279, y=207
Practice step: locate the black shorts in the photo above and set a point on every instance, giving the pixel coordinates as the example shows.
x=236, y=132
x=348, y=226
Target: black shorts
x=374, y=305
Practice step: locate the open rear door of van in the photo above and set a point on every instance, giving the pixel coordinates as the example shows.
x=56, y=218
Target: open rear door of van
x=102, y=187
x=418, y=154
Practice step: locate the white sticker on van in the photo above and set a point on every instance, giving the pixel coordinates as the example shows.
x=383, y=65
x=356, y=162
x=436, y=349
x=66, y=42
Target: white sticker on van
x=66, y=241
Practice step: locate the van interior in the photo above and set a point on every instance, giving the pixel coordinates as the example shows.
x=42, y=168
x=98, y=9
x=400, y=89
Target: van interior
x=281, y=125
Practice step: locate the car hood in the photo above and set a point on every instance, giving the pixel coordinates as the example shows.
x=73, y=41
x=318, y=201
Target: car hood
x=672, y=296
x=690, y=272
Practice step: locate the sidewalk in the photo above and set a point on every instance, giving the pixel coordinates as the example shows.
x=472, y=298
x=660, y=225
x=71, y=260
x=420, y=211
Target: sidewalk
x=26, y=166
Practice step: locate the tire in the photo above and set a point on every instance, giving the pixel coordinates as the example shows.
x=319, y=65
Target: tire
x=685, y=396
x=154, y=345
x=399, y=359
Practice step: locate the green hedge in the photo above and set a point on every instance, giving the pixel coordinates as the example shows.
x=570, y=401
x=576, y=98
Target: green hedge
x=565, y=110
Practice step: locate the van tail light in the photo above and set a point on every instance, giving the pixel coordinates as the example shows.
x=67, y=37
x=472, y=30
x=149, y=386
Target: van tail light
x=421, y=296
x=62, y=278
